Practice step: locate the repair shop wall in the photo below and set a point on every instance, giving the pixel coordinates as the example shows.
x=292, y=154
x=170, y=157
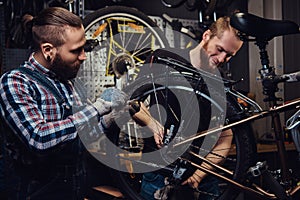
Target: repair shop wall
x=15, y=47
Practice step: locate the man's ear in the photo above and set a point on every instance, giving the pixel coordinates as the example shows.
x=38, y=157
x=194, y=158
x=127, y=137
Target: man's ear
x=206, y=35
x=47, y=50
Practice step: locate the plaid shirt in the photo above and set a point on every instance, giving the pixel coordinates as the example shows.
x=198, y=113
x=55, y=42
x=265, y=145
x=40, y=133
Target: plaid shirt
x=34, y=113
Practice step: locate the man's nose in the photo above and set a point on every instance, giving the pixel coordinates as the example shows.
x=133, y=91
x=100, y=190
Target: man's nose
x=82, y=55
x=222, y=57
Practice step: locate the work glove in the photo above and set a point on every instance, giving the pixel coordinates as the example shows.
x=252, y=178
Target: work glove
x=111, y=98
x=117, y=97
x=103, y=107
x=119, y=106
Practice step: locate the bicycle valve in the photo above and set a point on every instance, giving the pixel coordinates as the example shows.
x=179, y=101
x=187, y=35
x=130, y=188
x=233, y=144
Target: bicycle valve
x=169, y=135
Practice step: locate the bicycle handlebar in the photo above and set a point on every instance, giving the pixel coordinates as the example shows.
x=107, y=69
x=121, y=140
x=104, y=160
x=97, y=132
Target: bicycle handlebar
x=291, y=77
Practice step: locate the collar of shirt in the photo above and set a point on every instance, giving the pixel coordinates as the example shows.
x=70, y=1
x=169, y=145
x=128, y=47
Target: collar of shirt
x=36, y=65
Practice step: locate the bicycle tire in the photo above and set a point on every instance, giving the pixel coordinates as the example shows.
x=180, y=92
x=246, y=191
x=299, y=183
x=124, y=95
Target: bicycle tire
x=245, y=148
x=122, y=33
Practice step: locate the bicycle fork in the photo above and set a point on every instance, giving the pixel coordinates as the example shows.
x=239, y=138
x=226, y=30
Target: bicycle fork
x=281, y=148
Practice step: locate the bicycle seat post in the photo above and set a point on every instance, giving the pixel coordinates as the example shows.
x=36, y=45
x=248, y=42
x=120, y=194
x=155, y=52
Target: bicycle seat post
x=270, y=87
x=267, y=74
x=264, y=58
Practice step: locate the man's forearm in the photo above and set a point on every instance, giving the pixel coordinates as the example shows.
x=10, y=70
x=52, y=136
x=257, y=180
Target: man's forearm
x=218, y=153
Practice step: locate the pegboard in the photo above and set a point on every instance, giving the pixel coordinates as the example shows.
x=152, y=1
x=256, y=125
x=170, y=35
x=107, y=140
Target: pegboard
x=184, y=39
x=93, y=73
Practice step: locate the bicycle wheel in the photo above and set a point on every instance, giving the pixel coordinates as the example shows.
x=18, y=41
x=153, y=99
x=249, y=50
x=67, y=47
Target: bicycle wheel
x=121, y=38
x=158, y=94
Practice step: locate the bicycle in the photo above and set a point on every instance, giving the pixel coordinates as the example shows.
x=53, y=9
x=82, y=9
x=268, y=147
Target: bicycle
x=240, y=171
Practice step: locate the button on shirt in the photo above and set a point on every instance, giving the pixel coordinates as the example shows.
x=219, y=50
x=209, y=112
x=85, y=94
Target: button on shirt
x=35, y=114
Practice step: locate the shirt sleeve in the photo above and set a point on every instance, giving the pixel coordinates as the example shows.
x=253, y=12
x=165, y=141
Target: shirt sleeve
x=40, y=124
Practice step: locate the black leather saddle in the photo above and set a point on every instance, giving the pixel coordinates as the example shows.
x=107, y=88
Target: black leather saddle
x=261, y=28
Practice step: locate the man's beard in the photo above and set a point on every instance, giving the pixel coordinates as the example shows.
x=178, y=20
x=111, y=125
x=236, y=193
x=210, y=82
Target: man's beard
x=64, y=71
x=210, y=67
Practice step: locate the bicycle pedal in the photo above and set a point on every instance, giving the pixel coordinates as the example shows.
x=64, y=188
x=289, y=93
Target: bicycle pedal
x=258, y=169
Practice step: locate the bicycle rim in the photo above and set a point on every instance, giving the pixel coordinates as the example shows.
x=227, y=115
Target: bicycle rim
x=125, y=38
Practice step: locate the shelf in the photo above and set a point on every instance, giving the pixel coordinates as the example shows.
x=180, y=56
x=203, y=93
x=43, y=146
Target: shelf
x=266, y=148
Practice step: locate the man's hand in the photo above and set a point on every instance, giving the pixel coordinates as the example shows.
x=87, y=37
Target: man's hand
x=117, y=97
x=111, y=98
x=103, y=107
x=222, y=147
x=194, y=180
x=158, y=132
x=143, y=117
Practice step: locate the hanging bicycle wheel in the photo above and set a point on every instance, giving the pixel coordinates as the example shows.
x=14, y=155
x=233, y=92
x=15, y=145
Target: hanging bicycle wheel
x=175, y=101
x=120, y=39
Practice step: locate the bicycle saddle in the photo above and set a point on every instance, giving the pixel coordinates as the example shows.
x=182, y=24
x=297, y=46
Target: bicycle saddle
x=261, y=28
